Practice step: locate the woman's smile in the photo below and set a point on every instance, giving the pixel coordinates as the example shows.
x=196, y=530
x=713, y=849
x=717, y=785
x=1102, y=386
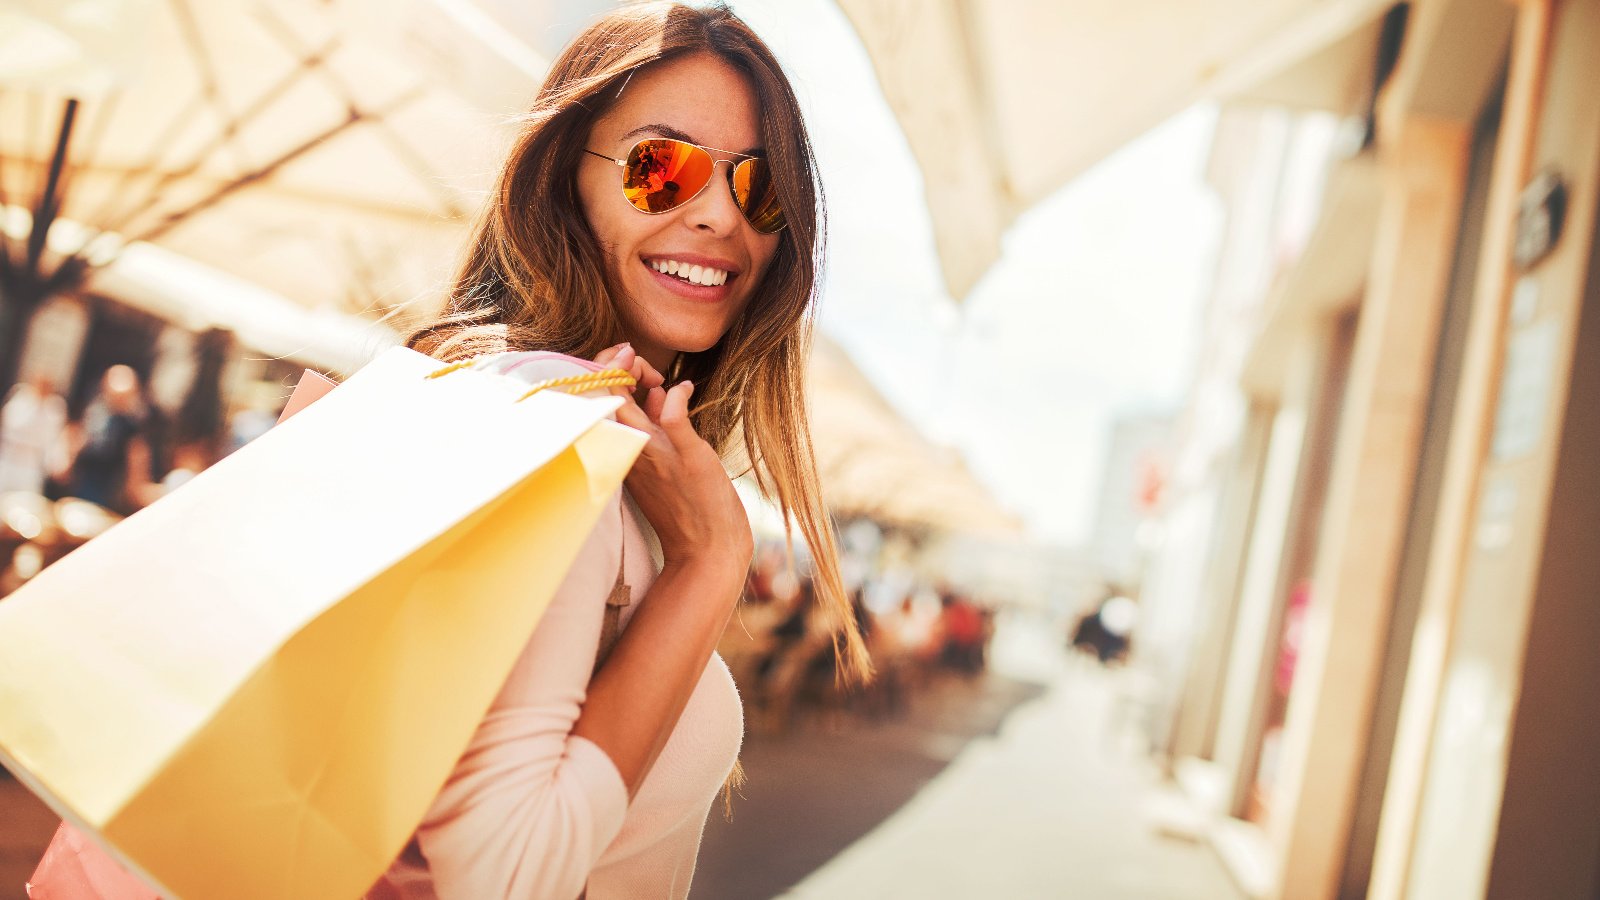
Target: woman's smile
x=693, y=277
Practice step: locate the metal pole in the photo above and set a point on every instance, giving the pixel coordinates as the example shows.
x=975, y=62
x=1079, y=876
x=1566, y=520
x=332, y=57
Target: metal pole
x=45, y=212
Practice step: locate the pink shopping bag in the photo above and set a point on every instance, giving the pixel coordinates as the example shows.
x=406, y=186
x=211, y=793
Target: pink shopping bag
x=313, y=386
x=75, y=868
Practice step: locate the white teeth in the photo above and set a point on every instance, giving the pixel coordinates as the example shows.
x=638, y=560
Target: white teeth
x=694, y=274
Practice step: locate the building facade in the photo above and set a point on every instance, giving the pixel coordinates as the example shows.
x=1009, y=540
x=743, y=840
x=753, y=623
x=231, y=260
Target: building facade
x=1389, y=691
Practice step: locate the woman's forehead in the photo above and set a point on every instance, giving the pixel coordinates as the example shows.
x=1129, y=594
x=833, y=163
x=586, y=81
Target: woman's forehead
x=697, y=98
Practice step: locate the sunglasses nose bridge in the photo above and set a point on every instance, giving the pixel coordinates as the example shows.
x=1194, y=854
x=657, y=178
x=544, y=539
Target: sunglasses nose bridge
x=733, y=167
x=727, y=181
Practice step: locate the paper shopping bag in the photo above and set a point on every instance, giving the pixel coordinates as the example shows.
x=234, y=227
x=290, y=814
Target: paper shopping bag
x=255, y=686
x=74, y=867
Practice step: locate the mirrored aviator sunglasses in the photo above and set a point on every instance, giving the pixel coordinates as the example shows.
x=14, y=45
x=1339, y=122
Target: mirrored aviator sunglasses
x=661, y=174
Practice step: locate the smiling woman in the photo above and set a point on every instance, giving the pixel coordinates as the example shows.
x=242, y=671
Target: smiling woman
x=620, y=233
x=698, y=231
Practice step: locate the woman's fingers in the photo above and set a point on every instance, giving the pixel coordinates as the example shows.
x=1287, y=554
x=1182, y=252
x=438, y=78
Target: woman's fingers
x=624, y=357
x=665, y=412
x=632, y=416
x=608, y=356
x=674, y=418
x=654, y=398
x=646, y=374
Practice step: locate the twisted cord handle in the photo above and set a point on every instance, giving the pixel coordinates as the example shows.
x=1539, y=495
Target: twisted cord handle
x=571, y=384
x=577, y=384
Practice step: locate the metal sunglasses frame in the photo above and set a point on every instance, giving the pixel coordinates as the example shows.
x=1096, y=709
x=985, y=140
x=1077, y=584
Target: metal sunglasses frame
x=744, y=158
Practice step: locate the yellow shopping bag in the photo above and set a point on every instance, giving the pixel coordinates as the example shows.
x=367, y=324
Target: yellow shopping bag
x=256, y=686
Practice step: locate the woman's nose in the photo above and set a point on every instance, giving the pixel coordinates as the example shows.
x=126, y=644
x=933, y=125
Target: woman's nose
x=715, y=208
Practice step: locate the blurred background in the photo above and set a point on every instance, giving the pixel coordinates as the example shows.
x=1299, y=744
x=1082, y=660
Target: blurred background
x=1207, y=398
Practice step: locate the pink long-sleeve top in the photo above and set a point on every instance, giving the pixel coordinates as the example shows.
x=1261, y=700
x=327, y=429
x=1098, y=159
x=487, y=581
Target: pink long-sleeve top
x=533, y=811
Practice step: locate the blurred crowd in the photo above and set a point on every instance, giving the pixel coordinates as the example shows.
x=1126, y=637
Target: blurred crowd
x=65, y=479
x=780, y=650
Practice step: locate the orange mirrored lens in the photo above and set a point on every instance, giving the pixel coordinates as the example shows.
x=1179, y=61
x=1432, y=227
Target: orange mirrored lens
x=755, y=194
x=661, y=174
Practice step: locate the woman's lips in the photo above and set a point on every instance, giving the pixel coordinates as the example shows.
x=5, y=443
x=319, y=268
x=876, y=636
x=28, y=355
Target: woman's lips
x=702, y=292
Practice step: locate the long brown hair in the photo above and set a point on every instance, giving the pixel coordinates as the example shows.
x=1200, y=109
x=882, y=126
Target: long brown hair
x=534, y=276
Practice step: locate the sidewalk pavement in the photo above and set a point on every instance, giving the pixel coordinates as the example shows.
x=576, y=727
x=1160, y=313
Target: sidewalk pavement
x=1056, y=804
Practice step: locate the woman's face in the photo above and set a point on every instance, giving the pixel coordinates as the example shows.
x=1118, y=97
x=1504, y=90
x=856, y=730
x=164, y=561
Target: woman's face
x=700, y=99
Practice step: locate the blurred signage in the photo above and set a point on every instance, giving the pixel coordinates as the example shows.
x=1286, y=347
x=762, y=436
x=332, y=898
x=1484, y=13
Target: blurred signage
x=1541, y=213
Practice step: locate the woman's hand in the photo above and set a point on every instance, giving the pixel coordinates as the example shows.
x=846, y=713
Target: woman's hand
x=623, y=356
x=678, y=480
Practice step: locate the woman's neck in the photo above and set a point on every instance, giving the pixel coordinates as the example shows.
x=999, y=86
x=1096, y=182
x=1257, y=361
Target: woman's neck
x=661, y=358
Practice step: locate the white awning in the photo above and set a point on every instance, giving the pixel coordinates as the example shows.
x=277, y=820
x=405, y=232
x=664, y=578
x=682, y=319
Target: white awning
x=1005, y=102
x=360, y=135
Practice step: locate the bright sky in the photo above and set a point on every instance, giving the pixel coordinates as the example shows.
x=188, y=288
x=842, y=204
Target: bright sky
x=1093, y=310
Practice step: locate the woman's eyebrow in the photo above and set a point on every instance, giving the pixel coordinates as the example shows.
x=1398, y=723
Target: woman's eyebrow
x=680, y=135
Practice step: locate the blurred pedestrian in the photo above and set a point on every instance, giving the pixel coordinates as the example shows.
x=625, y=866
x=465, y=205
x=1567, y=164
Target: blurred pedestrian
x=963, y=628
x=1107, y=630
x=108, y=450
x=33, y=425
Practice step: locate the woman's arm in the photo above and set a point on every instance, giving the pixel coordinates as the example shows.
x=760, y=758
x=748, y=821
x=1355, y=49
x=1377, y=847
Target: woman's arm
x=636, y=697
x=680, y=486
x=544, y=786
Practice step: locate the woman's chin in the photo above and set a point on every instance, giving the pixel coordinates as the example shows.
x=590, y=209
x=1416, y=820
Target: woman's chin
x=691, y=340
x=701, y=346
x=675, y=331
